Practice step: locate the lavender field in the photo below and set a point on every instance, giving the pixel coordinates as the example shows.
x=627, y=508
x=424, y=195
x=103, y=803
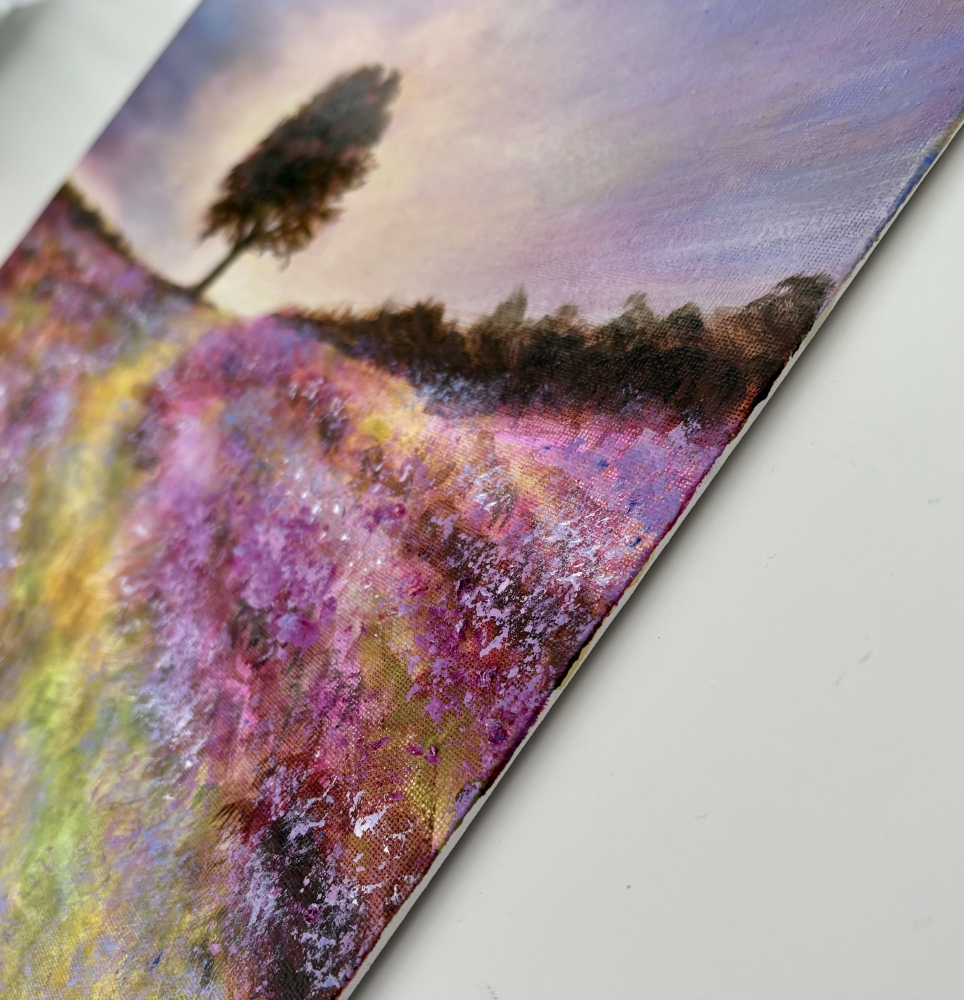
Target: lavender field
x=280, y=597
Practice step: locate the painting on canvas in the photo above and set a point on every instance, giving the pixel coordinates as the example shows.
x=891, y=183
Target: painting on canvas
x=346, y=390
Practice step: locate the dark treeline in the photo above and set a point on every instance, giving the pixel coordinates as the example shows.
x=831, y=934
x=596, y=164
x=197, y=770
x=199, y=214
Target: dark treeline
x=710, y=371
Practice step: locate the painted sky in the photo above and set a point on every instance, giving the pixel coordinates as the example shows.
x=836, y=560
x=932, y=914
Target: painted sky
x=584, y=148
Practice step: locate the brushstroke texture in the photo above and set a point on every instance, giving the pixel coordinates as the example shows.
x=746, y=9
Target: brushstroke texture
x=584, y=148
x=274, y=616
x=280, y=594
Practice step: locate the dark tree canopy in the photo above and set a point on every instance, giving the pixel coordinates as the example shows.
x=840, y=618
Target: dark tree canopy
x=277, y=198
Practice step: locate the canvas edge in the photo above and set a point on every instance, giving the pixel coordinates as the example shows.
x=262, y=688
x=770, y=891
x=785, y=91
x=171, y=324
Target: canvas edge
x=938, y=148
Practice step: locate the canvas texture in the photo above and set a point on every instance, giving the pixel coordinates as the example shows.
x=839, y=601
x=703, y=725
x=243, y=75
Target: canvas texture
x=346, y=390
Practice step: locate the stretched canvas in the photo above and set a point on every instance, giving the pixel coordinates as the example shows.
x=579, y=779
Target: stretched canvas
x=346, y=391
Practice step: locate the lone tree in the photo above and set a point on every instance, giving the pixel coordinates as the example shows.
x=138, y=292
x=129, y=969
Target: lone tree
x=277, y=198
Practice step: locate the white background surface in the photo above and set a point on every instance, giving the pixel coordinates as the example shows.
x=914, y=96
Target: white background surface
x=755, y=786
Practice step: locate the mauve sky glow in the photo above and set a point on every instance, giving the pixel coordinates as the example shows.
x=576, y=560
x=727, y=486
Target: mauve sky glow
x=584, y=148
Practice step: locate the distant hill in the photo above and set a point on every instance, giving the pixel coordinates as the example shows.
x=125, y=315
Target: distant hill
x=714, y=368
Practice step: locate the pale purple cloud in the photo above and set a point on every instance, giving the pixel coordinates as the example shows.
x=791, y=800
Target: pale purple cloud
x=586, y=149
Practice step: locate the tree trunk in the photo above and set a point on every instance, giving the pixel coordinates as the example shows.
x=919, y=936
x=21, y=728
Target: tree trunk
x=202, y=286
